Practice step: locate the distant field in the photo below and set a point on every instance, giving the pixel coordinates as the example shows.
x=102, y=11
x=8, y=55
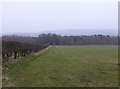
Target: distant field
x=66, y=66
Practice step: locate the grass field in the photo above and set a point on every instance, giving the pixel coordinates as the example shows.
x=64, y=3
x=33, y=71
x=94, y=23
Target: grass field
x=66, y=66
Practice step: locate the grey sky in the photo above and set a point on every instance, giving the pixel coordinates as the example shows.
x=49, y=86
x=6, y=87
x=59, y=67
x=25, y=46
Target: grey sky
x=42, y=17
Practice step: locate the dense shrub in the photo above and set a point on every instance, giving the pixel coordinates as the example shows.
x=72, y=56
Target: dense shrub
x=13, y=50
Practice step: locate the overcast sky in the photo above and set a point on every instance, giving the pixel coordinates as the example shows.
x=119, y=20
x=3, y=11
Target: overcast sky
x=84, y=17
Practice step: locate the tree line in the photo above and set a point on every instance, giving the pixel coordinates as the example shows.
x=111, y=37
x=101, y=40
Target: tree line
x=54, y=39
x=13, y=50
x=14, y=47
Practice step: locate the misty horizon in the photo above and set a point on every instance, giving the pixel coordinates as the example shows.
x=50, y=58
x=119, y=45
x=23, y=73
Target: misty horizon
x=63, y=18
x=75, y=32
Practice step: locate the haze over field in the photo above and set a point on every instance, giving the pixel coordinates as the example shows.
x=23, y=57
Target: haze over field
x=59, y=43
x=61, y=18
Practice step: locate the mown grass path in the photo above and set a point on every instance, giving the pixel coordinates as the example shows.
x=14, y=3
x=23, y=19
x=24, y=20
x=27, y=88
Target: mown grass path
x=66, y=66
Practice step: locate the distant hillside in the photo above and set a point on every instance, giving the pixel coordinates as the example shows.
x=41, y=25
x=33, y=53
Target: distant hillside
x=67, y=33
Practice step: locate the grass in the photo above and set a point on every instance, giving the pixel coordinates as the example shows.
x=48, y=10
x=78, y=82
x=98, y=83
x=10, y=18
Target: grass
x=68, y=66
